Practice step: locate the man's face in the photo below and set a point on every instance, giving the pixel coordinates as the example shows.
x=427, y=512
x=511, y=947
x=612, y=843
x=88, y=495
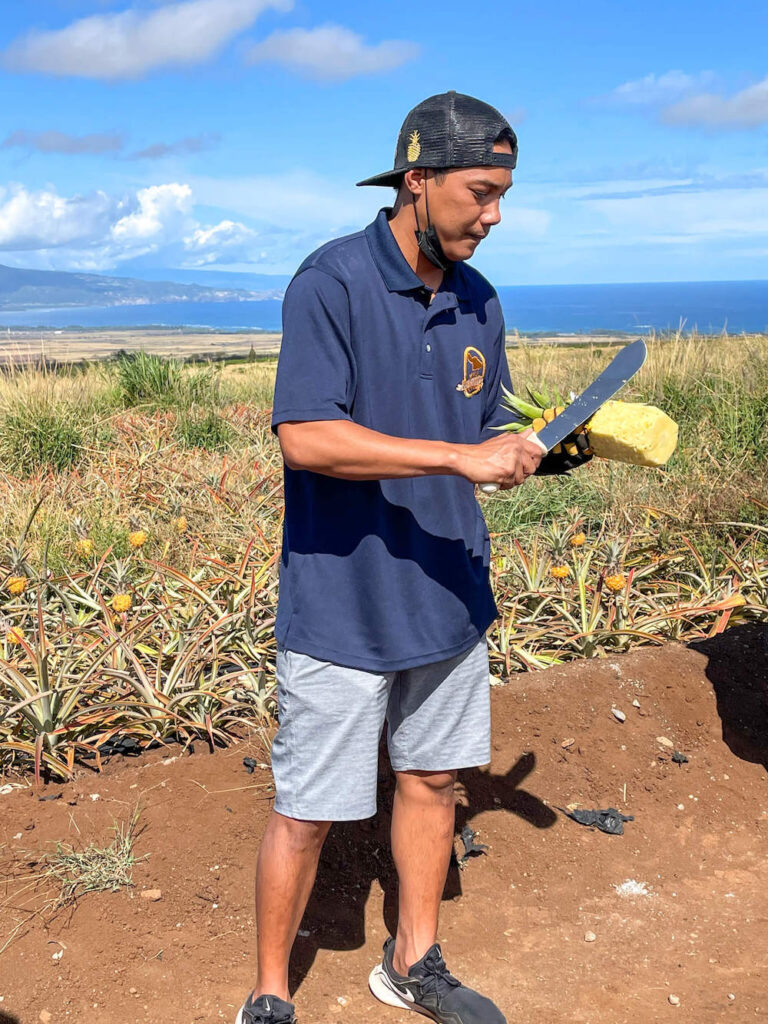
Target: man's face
x=466, y=206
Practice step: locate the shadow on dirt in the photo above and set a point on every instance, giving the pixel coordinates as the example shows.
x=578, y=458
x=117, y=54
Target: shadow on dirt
x=738, y=670
x=357, y=854
x=8, y=1018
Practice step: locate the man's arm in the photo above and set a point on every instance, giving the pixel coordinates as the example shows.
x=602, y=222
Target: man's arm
x=344, y=449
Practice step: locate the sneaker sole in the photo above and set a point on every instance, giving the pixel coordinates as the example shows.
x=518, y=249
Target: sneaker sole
x=383, y=989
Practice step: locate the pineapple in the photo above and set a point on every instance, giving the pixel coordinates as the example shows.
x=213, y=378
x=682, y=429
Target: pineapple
x=621, y=431
x=14, y=636
x=558, y=542
x=137, y=537
x=83, y=544
x=120, y=573
x=17, y=585
x=614, y=578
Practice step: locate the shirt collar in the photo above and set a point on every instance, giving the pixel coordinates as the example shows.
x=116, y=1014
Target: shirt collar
x=393, y=266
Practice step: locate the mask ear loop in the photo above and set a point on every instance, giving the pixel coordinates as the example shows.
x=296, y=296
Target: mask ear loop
x=426, y=198
x=426, y=201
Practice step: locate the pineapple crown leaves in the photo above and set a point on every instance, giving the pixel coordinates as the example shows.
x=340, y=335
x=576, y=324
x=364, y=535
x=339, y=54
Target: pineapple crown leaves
x=80, y=528
x=17, y=552
x=614, y=552
x=557, y=540
x=527, y=411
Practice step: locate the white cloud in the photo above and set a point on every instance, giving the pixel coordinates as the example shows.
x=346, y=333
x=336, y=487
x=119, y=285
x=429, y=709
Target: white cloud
x=160, y=211
x=331, y=53
x=99, y=231
x=131, y=43
x=227, y=242
x=60, y=142
x=653, y=90
x=746, y=109
x=45, y=220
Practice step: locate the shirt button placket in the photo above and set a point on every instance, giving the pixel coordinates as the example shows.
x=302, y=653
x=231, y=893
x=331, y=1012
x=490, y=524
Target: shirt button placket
x=426, y=355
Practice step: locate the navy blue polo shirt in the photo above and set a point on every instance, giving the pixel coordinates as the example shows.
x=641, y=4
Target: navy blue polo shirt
x=386, y=574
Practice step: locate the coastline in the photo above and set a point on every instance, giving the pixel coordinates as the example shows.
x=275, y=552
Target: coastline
x=22, y=346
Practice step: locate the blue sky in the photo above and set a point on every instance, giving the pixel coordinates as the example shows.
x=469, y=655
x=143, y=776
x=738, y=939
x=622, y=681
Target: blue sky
x=228, y=134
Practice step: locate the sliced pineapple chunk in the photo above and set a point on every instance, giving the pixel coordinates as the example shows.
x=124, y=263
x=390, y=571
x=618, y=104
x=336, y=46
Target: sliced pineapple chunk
x=627, y=432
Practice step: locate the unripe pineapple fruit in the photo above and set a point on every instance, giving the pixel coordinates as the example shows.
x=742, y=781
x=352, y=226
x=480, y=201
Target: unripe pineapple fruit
x=84, y=547
x=616, y=582
x=14, y=636
x=121, y=602
x=17, y=584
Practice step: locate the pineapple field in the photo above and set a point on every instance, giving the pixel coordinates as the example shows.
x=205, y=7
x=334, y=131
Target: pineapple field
x=141, y=519
x=141, y=516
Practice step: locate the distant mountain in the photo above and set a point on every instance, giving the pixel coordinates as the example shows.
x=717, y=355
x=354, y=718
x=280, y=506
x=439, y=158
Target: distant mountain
x=274, y=284
x=34, y=289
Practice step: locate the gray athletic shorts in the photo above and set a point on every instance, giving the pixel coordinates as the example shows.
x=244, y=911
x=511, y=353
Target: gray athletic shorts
x=325, y=755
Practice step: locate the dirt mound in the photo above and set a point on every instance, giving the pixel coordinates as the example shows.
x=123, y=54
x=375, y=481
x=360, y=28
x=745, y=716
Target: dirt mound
x=678, y=905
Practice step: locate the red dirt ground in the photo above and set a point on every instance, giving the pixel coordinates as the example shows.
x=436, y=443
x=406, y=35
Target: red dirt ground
x=513, y=923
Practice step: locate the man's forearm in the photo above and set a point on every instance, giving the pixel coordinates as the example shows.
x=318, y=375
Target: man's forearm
x=347, y=450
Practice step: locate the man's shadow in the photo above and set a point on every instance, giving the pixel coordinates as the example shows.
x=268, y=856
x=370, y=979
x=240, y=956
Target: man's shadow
x=357, y=853
x=737, y=667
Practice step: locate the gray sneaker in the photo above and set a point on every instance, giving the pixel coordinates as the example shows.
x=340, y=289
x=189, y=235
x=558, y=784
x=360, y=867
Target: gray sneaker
x=430, y=989
x=266, y=1010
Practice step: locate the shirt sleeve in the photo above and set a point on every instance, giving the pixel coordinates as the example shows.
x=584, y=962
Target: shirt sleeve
x=495, y=415
x=316, y=370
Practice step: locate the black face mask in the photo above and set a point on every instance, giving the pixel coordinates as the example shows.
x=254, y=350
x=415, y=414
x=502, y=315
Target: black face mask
x=427, y=240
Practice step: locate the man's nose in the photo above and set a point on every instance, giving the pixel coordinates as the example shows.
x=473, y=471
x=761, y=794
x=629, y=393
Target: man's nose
x=491, y=215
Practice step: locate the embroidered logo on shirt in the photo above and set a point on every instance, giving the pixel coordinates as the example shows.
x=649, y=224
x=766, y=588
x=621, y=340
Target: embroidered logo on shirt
x=474, y=372
x=414, y=146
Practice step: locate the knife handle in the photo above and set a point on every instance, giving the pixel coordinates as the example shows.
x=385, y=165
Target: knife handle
x=492, y=488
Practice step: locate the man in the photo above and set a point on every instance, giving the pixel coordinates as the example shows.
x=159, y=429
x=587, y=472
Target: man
x=388, y=385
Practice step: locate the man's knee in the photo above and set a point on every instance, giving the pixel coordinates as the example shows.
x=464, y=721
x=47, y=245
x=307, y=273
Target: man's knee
x=299, y=834
x=428, y=785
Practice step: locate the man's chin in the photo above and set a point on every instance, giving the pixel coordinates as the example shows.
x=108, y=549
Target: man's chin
x=461, y=251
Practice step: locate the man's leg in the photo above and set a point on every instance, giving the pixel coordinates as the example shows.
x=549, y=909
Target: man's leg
x=285, y=874
x=423, y=819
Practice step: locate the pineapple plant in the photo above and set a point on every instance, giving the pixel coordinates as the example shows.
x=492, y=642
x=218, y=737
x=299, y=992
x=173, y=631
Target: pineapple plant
x=621, y=431
x=614, y=578
x=121, y=600
x=558, y=544
x=137, y=537
x=83, y=544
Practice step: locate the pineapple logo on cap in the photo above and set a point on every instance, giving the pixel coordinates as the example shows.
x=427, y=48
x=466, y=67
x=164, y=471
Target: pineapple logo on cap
x=474, y=372
x=414, y=146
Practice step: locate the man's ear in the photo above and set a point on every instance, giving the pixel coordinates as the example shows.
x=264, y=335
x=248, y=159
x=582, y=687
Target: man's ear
x=414, y=180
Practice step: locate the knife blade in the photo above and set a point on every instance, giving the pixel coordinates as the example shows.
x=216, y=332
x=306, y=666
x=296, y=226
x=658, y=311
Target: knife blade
x=621, y=369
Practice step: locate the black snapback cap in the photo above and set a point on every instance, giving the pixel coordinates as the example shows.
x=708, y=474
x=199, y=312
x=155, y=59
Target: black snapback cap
x=449, y=130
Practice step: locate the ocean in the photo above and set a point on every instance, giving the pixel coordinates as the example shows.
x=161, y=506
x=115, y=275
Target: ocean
x=706, y=306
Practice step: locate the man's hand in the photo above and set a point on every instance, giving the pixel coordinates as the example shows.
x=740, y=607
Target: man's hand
x=507, y=460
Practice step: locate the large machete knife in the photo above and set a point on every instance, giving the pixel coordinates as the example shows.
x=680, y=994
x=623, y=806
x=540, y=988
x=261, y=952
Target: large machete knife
x=621, y=368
